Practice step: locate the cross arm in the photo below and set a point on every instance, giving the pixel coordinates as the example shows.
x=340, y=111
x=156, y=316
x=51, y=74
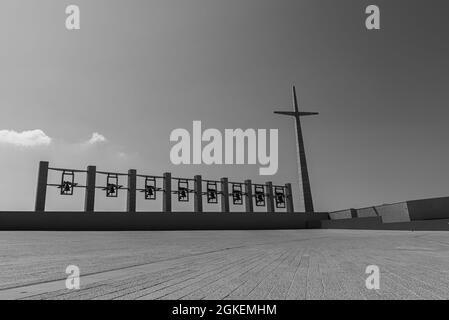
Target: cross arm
x=308, y=113
x=293, y=113
x=287, y=113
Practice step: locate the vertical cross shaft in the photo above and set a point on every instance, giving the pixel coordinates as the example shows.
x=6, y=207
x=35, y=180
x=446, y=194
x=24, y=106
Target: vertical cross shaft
x=307, y=192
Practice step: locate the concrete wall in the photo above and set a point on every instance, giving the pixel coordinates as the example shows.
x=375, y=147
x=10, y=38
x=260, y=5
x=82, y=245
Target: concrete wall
x=395, y=216
x=375, y=223
x=366, y=212
x=428, y=209
x=397, y=212
x=157, y=221
x=369, y=223
x=342, y=214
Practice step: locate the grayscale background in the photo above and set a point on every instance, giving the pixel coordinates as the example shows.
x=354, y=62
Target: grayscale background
x=139, y=69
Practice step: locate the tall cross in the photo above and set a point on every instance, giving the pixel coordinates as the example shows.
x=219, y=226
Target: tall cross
x=308, y=201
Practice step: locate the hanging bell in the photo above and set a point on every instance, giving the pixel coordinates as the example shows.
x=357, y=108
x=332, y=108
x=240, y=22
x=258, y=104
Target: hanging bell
x=280, y=198
x=66, y=186
x=111, y=189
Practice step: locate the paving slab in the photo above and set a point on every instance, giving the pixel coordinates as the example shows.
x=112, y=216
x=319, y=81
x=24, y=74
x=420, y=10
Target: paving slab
x=239, y=264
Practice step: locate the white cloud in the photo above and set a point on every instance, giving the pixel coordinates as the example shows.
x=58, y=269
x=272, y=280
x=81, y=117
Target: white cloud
x=96, y=138
x=30, y=138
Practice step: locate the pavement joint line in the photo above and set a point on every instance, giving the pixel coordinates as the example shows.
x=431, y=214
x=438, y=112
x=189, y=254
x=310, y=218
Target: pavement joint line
x=261, y=272
x=255, y=262
x=258, y=284
x=246, y=272
x=263, y=266
x=189, y=277
x=149, y=281
x=213, y=269
x=134, y=266
x=61, y=282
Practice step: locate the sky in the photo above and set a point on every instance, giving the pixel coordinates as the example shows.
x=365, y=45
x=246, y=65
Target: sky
x=111, y=93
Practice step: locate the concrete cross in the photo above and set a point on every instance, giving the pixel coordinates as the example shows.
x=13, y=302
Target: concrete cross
x=308, y=201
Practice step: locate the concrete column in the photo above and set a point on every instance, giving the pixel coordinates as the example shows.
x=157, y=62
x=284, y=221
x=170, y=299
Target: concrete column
x=41, y=190
x=224, y=195
x=132, y=184
x=249, y=196
x=198, y=192
x=289, y=197
x=270, y=198
x=89, y=200
x=166, y=201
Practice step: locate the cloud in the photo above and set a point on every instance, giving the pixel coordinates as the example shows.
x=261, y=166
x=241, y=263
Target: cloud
x=96, y=138
x=30, y=138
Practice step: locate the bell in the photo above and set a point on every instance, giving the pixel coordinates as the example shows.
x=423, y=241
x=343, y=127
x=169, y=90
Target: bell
x=237, y=196
x=66, y=186
x=212, y=194
x=183, y=194
x=111, y=188
x=150, y=190
x=280, y=198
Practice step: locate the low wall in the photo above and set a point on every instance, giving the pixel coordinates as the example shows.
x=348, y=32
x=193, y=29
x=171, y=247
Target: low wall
x=397, y=212
x=366, y=212
x=428, y=209
x=99, y=221
x=342, y=214
x=369, y=223
x=375, y=223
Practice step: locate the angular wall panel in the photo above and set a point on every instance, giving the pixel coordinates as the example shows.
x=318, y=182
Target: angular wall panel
x=342, y=214
x=366, y=212
x=429, y=209
x=397, y=212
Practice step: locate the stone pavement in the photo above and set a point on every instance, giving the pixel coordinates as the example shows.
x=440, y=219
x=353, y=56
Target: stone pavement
x=271, y=264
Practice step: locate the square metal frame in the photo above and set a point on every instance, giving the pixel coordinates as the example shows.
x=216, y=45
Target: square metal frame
x=212, y=190
x=70, y=182
x=111, y=181
x=150, y=187
x=277, y=193
x=259, y=195
x=183, y=185
x=237, y=190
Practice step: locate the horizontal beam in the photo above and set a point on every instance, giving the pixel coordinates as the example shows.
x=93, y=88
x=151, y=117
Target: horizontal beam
x=293, y=113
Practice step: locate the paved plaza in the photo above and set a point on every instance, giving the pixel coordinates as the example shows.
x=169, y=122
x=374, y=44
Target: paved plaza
x=271, y=264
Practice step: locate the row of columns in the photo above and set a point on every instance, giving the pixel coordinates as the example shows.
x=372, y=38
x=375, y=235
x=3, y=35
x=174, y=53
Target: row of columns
x=89, y=201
